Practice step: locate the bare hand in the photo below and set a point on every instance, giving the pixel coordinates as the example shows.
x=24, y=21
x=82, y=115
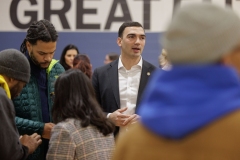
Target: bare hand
x=32, y=142
x=47, y=130
x=118, y=117
x=132, y=119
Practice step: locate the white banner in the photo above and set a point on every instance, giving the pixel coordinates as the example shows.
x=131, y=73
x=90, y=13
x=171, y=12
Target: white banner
x=94, y=15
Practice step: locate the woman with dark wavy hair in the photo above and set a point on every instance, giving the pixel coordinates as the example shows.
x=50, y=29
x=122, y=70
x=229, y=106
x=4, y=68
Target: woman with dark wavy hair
x=83, y=63
x=67, y=56
x=82, y=130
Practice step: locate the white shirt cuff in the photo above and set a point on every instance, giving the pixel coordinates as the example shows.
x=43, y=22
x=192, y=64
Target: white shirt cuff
x=108, y=115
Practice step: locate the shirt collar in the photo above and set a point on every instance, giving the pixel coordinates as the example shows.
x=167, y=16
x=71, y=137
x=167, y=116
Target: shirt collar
x=120, y=65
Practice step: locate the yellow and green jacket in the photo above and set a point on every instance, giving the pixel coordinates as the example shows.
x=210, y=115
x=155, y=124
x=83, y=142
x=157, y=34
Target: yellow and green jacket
x=28, y=104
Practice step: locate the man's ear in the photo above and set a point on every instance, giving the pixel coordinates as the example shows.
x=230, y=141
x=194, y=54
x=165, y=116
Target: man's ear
x=119, y=41
x=28, y=46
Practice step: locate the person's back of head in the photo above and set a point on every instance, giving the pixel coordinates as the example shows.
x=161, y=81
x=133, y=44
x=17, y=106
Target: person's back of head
x=201, y=34
x=42, y=30
x=82, y=62
x=75, y=98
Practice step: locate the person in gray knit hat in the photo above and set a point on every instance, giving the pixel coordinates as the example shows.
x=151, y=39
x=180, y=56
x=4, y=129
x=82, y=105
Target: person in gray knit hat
x=14, y=74
x=192, y=112
x=15, y=65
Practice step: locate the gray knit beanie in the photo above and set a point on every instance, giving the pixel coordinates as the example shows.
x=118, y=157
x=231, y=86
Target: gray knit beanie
x=14, y=64
x=201, y=33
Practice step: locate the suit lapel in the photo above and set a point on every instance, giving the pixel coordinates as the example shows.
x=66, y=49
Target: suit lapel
x=143, y=81
x=113, y=77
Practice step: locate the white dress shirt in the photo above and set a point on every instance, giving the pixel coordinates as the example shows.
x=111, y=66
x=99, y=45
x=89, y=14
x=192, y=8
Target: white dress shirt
x=129, y=81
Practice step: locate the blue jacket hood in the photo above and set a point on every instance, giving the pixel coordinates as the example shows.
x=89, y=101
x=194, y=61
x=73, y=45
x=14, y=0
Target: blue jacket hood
x=186, y=98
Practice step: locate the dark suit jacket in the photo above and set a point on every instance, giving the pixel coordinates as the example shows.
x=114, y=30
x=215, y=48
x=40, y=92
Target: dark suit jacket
x=106, y=85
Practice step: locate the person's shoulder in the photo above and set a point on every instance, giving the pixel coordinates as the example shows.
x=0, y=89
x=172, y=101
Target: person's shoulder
x=65, y=124
x=148, y=64
x=56, y=66
x=4, y=99
x=106, y=66
x=3, y=94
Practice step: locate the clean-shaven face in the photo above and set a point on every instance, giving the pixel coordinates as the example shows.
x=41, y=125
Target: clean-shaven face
x=132, y=42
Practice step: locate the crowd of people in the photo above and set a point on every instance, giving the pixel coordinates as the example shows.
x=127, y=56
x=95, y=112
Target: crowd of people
x=187, y=108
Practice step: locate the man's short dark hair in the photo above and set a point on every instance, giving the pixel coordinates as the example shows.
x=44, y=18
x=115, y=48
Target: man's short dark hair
x=127, y=24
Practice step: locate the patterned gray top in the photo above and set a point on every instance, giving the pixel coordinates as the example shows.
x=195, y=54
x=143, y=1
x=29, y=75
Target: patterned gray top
x=70, y=141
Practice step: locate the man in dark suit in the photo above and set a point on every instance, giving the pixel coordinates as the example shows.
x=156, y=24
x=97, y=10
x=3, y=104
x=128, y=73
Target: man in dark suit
x=119, y=84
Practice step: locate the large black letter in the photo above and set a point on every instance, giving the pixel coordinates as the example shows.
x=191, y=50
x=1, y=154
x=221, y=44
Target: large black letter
x=176, y=3
x=126, y=13
x=60, y=13
x=14, y=18
x=229, y=3
x=147, y=13
x=80, y=12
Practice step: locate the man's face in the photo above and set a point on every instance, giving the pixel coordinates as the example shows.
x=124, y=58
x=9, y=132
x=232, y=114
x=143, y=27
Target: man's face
x=132, y=42
x=17, y=88
x=42, y=53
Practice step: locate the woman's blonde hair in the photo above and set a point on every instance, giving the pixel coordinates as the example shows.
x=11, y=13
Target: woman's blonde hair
x=163, y=60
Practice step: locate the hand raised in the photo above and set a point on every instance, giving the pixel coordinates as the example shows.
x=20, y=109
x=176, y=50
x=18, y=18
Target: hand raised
x=118, y=117
x=47, y=130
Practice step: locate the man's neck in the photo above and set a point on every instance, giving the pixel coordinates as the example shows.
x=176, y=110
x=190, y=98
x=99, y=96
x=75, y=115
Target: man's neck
x=128, y=62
